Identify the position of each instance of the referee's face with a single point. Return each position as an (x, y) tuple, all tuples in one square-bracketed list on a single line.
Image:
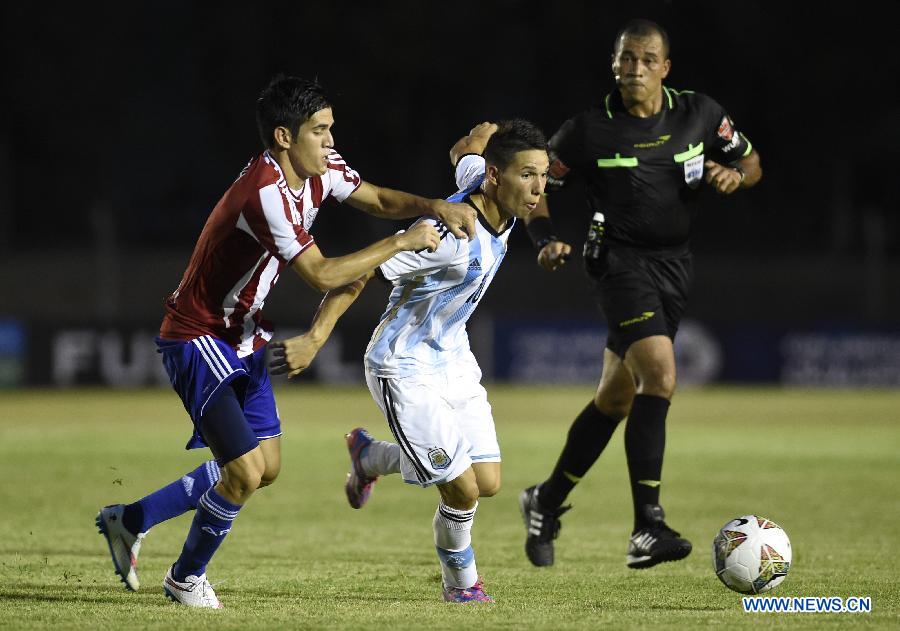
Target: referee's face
[(521, 184), (640, 65)]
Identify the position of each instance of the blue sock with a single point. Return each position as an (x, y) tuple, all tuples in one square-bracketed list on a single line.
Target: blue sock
[(171, 501), (212, 522)]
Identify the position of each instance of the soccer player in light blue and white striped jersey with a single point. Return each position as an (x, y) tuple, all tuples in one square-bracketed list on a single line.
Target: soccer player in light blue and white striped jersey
[(419, 367)]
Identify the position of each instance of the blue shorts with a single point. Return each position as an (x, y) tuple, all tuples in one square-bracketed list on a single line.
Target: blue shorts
[(202, 368)]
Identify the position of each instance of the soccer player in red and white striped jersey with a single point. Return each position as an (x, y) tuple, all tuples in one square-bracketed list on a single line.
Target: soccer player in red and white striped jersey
[(213, 335)]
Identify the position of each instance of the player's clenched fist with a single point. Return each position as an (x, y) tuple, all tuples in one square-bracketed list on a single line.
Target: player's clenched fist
[(293, 355), (422, 236), (553, 255)]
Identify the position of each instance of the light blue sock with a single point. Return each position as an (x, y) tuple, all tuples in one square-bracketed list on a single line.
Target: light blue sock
[(453, 540)]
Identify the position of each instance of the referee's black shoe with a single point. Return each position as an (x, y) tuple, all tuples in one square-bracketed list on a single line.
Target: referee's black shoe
[(542, 526), (655, 542)]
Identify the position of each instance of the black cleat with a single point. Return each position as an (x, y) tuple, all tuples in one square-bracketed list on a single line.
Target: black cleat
[(542, 526), (655, 543)]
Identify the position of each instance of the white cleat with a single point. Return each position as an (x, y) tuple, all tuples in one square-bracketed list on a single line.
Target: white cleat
[(124, 547), (195, 591)]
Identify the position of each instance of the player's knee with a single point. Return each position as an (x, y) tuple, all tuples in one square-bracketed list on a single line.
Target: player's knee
[(460, 494), (269, 475), (659, 382), (615, 407), (240, 482), (489, 488), (242, 488)]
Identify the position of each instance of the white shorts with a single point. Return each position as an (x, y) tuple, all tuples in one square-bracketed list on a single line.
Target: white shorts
[(442, 421)]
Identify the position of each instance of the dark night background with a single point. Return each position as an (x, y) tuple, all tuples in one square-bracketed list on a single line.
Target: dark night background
[(122, 124)]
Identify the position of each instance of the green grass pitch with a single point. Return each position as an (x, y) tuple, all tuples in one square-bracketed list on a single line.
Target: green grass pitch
[(825, 465)]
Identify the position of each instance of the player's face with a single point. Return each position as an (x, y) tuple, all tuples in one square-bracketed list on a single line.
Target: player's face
[(521, 184), (640, 65), (309, 149)]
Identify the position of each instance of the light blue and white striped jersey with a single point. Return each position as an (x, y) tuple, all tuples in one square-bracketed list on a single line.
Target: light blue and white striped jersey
[(424, 326)]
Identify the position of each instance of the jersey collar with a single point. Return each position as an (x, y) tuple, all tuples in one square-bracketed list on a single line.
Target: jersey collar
[(297, 195), (613, 102), (484, 223)]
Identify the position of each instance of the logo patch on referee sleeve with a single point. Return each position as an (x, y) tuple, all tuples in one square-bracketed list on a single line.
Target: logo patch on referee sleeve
[(558, 169), (439, 458), (725, 129)]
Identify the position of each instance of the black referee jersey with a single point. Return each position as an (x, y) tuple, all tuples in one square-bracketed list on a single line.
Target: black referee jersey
[(644, 174)]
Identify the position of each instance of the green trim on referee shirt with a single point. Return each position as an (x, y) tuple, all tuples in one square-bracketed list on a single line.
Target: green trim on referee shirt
[(692, 151), (606, 104), (749, 146), (618, 161)]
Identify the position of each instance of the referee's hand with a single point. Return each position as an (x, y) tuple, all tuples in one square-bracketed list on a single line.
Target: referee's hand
[(722, 178), (554, 255)]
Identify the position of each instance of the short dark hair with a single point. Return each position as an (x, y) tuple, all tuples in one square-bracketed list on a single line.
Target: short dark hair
[(511, 137), (640, 27), (288, 102)]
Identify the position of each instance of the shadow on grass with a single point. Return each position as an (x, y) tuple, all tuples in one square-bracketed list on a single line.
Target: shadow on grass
[(676, 607), (75, 594), (56, 553)]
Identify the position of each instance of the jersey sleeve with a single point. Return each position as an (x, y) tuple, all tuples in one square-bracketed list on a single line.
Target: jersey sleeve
[(341, 179), (268, 220), (565, 151), (726, 143), (469, 169), (408, 264)]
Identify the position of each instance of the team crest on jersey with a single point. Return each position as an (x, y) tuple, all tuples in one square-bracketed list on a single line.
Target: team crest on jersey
[(309, 216), (725, 131), (439, 458)]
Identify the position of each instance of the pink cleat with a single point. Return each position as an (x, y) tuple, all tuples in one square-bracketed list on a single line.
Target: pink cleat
[(359, 485), (474, 594)]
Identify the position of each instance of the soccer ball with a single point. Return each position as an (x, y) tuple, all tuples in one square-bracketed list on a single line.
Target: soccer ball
[(751, 554)]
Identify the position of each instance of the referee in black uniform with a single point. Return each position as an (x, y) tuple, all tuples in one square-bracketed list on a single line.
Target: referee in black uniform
[(644, 153)]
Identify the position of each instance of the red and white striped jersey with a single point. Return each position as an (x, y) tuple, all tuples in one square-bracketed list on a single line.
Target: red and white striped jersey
[(258, 227)]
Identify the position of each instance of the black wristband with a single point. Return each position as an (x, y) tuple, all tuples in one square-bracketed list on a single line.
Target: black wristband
[(540, 229)]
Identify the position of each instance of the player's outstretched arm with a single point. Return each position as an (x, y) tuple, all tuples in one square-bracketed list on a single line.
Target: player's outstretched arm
[(552, 253), (742, 173), (475, 142), (391, 204), (295, 354), (325, 274)]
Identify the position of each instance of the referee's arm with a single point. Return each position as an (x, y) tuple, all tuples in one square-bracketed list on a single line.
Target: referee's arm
[(552, 253), (742, 173)]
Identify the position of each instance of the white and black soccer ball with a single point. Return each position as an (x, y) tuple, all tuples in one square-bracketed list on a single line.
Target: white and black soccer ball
[(751, 554)]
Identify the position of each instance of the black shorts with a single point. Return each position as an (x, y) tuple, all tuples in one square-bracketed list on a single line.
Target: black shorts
[(641, 295)]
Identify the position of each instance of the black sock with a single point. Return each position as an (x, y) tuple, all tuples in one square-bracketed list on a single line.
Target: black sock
[(587, 438), (645, 443)]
